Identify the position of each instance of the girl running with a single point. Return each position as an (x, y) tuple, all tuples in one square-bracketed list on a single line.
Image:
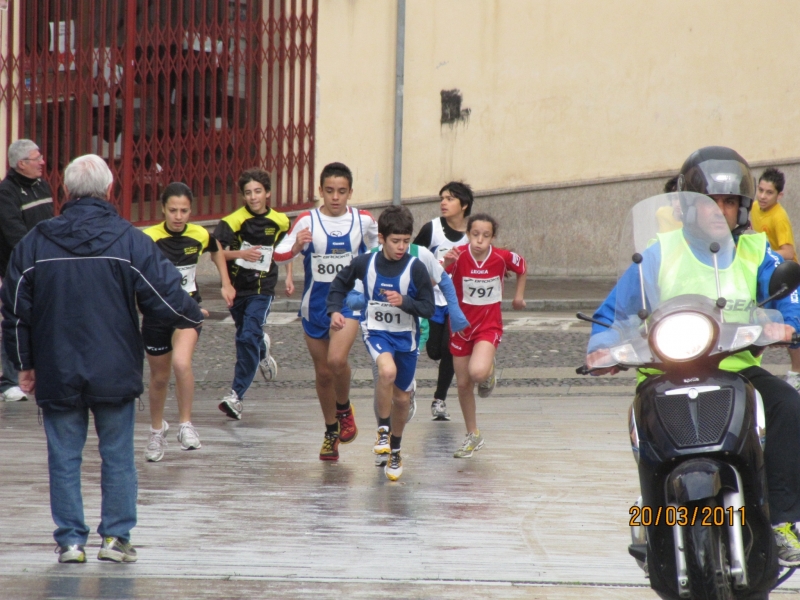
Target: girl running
[(168, 348), (478, 270)]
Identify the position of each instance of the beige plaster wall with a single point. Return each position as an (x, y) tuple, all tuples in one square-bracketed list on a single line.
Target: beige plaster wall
[(559, 90)]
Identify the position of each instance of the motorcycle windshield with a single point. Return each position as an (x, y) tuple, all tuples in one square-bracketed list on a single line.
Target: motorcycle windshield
[(667, 254)]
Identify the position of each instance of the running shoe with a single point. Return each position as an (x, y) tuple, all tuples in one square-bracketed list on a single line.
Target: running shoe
[(382, 441), (73, 553), (188, 437), (394, 468), (330, 447), (116, 550), (485, 388), (267, 365), (347, 424), (412, 409), (439, 410), (472, 443), (231, 405), (793, 379), (14, 394), (788, 545), (157, 443)]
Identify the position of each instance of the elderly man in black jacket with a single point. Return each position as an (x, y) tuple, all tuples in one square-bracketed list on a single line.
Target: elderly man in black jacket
[(25, 199), (71, 327)]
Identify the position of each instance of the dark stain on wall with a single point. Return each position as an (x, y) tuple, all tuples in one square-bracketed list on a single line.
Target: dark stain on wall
[(452, 112)]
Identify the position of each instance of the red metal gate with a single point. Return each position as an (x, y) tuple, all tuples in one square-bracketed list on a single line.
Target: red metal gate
[(215, 87)]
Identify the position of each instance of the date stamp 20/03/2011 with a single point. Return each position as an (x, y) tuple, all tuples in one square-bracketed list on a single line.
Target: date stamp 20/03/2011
[(706, 516)]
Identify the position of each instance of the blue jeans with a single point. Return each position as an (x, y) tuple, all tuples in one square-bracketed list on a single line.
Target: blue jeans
[(66, 432), (9, 377), (250, 315)]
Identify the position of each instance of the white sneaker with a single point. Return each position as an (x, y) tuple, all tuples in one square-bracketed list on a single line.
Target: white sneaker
[(793, 379), (382, 441), (14, 394), (157, 443), (268, 366), (439, 410), (188, 437), (394, 469), (232, 406), (412, 410)]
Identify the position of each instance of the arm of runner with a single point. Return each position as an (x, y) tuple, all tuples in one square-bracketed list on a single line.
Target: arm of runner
[(458, 321), (289, 279), (514, 262), (423, 305), (218, 258), (344, 282), (295, 241), (370, 228)]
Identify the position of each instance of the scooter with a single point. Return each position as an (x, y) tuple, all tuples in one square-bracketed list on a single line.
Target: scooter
[(701, 528)]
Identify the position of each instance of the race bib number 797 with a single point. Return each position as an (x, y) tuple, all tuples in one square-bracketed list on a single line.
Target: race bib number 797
[(482, 291)]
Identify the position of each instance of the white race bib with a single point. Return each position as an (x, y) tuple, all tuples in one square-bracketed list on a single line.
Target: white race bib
[(382, 316), (325, 267), (188, 277), (262, 264), (481, 291)]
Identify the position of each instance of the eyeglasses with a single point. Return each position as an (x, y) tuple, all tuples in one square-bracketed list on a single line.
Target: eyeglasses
[(36, 159)]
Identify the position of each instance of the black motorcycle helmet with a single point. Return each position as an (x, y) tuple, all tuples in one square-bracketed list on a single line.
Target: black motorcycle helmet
[(718, 170)]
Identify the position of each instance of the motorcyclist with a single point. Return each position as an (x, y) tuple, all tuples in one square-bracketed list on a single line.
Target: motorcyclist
[(724, 176)]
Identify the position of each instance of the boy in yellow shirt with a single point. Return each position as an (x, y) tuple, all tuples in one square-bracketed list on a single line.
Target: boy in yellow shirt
[(769, 217)]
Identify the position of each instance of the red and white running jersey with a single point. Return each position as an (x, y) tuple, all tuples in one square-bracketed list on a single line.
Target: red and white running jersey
[(479, 286)]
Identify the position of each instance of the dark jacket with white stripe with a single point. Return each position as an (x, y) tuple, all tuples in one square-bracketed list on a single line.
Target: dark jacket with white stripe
[(24, 202), (69, 303)]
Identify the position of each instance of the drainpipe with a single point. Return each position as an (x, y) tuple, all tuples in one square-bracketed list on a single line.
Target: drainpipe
[(398, 101)]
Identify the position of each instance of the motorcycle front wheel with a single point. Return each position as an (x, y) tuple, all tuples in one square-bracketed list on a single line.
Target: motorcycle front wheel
[(707, 562)]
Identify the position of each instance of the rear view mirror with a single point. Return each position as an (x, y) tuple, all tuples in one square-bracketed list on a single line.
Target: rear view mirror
[(785, 279)]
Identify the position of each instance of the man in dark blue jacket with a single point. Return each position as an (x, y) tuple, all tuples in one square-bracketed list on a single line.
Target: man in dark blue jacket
[(71, 328)]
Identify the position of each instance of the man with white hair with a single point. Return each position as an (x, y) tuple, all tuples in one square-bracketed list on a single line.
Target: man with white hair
[(71, 329), (25, 199)]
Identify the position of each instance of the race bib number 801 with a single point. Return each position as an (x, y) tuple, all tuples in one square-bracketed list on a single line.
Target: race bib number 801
[(382, 316), (482, 291)]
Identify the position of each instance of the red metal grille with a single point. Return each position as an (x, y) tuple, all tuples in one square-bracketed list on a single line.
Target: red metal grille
[(216, 86)]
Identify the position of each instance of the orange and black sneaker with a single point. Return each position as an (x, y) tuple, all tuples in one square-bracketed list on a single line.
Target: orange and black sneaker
[(347, 424), (330, 447)]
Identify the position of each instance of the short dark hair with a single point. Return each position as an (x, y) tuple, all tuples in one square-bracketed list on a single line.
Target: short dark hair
[(254, 174), (483, 217), (462, 191), (671, 185), (336, 169), (396, 220), (176, 188), (775, 177)]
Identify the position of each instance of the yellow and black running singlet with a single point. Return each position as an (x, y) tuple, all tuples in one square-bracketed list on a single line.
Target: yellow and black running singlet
[(242, 229), (183, 249)]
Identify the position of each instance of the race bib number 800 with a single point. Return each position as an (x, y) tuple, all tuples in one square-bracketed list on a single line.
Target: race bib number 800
[(482, 291), (325, 267)]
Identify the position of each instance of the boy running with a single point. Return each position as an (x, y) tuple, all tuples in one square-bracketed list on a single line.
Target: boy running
[(168, 348), (768, 216), (478, 270), (249, 236), (329, 238), (439, 236), (398, 291)]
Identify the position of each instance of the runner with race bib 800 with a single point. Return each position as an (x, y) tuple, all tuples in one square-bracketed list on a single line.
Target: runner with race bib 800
[(478, 270), (182, 243), (329, 238)]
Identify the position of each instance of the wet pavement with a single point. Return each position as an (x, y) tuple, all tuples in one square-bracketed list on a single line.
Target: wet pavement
[(540, 512)]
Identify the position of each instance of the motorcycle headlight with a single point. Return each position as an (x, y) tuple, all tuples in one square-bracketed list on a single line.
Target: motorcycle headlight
[(683, 336)]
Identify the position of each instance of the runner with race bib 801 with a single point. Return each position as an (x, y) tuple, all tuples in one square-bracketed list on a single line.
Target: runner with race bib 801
[(168, 348), (329, 237), (398, 292), (478, 270)]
